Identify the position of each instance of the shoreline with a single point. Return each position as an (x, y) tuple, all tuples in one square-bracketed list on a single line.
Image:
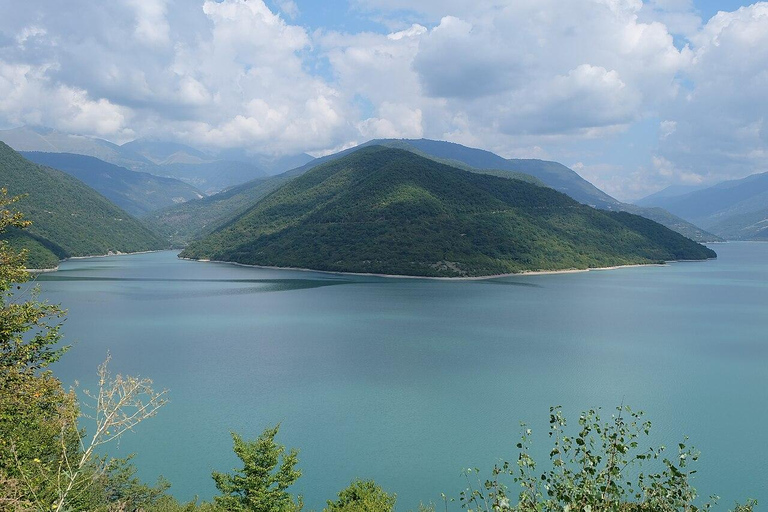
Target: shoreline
[(108, 255), (474, 278)]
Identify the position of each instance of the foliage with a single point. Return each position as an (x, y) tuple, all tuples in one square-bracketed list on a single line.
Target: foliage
[(262, 483), (382, 210), (362, 496), (68, 218), (44, 464), (599, 467)]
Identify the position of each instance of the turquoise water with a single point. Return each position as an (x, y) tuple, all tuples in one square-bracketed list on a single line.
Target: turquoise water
[(408, 381)]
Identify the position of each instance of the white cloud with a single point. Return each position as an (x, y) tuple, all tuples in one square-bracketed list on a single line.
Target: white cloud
[(540, 78), (289, 8)]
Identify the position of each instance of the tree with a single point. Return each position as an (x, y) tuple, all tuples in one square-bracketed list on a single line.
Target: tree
[(44, 462), (261, 485), (362, 496)]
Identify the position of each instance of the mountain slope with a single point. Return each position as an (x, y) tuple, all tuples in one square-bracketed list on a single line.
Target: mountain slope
[(69, 218), (135, 192), (384, 210), (731, 209), (557, 176), (184, 222), (552, 174)]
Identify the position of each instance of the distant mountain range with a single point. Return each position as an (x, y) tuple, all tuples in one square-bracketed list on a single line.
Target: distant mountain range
[(734, 210), (206, 172), (387, 210), (138, 193), (68, 217)]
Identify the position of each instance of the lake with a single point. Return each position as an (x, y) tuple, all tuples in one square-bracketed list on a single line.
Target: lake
[(407, 381)]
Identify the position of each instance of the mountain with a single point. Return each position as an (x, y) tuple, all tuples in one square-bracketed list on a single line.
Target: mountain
[(670, 191), (385, 210), (271, 164), (135, 192), (552, 174), (28, 138), (212, 177), (732, 209), (68, 218), (184, 222), (161, 152)]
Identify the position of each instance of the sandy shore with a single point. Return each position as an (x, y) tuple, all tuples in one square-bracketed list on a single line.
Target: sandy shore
[(477, 278)]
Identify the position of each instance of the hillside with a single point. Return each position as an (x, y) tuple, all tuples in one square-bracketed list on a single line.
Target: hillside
[(384, 210), (551, 174), (185, 222), (732, 209), (138, 193), (69, 218)]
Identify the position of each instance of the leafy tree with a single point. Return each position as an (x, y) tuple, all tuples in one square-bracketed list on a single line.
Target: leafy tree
[(362, 496), (261, 485)]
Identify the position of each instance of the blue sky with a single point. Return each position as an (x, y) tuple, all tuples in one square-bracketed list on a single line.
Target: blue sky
[(634, 95)]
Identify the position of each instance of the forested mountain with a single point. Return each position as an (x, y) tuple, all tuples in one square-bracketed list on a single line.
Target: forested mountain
[(736, 209), (138, 193), (553, 174), (385, 210), (185, 222), (69, 218)]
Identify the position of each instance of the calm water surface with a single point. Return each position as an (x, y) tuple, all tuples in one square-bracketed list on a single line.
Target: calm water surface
[(408, 381)]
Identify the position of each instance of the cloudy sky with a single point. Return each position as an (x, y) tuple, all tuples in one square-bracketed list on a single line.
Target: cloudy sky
[(633, 95)]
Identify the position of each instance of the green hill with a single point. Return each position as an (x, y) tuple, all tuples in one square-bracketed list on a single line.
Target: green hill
[(69, 218), (384, 210), (138, 193)]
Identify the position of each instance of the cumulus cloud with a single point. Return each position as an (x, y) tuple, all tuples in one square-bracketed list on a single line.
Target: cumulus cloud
[(720, 123), (526, 78)]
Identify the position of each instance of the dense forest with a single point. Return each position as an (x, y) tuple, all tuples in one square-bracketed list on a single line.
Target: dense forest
[(384, 210), (69, 218), (49, 460)]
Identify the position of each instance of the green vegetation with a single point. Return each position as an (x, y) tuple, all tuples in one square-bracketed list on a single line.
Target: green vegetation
[(382, 210), (194, 219), (135, 192), (68, 218)]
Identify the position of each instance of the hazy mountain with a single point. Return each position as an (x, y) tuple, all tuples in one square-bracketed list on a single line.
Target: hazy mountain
[(385, 210), (69, 218), (732, 209), (135, 192), (212, 177), (668, 192), (48, 140), (162, 152), (270, 164)]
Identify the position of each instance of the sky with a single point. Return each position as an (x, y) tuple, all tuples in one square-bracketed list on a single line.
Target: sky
[(634, 95)]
